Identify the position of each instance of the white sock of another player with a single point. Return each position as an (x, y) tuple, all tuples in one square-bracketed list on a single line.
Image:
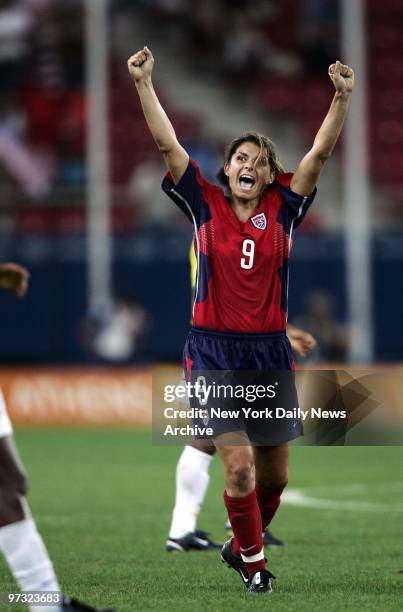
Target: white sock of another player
[(192, 480), (28, 559)]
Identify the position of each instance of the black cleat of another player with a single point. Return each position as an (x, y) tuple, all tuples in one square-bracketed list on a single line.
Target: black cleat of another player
[(198, 540), (270, 540), (72, 605), (235, 562), (261, 582), (203, 535)]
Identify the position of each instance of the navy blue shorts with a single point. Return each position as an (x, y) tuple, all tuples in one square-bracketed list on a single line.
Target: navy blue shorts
[(251, 383)]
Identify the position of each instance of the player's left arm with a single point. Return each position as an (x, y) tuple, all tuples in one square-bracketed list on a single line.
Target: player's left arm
[(307, 174), (14, 277)]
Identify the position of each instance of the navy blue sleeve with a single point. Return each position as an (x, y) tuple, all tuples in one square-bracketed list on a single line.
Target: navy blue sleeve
[(297, 205), (188, 194)]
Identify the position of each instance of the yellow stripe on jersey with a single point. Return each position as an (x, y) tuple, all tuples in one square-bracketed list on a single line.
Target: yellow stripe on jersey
[(193, 267)]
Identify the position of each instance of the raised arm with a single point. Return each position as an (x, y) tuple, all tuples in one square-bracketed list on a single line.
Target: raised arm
[(307, 174), (140, 67)]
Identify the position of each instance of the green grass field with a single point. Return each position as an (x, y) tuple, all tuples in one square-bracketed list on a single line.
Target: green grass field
[(103, 499)]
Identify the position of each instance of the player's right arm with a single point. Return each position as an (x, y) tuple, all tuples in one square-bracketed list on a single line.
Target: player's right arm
[(140, 67)]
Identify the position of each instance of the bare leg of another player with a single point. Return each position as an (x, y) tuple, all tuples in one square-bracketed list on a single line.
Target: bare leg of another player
[(20, 541)]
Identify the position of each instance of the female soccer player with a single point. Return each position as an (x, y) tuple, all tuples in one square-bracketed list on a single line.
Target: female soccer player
[(192, 470), (240, 310)]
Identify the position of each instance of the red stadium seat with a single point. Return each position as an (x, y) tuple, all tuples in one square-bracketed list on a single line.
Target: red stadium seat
[(388, 132), (391, 9), (387, 69), (383, 36), (387, 103), (388, 169), (316, 97), (280, 95)]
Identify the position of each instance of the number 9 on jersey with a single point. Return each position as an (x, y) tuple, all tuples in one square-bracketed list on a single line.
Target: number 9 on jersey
[(248, 249)]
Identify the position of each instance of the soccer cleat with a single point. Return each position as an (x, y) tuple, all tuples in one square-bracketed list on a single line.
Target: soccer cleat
[(72, 605), (198, 540), (235, 562), (261, 582), (204, 536), (270, 540)]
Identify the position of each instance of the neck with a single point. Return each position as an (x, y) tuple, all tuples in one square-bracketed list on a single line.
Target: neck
[(244, 208)]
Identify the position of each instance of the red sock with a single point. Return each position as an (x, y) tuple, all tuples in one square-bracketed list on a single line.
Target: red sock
[(268, 501), (246, 523)]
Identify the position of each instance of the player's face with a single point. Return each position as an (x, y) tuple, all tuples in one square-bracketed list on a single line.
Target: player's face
[(247, 179)]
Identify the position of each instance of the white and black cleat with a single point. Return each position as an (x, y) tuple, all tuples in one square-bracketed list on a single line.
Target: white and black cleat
[(234, 562), (198, 540), (261, 582), (72, 605)]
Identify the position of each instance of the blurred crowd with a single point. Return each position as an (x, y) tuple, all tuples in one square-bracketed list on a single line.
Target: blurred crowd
[(268, 47), (42, 110), (275, 48), (281, 50), (42, 87), (252, 39)]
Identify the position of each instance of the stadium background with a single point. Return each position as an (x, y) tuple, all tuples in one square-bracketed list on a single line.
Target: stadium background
[(109, 295)]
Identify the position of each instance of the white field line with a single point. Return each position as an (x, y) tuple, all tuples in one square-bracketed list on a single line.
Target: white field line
[(296, 497), (356, 488)]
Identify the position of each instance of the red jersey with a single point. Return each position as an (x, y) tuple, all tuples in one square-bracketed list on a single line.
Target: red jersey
[(242, 268)]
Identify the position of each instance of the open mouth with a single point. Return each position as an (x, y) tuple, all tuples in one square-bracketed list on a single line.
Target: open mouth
[(246, 181)]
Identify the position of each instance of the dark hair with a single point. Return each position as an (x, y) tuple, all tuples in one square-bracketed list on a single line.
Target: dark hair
[(266, 146)]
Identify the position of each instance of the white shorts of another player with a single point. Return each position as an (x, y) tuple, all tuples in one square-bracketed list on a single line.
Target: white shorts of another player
[(6, 428)]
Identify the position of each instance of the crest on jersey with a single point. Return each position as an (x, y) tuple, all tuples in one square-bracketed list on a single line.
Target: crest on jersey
[(259, 221)]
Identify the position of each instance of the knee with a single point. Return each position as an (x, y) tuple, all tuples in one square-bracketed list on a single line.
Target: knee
[(239, 471), (274, 485), (279, 479), (278, 486)]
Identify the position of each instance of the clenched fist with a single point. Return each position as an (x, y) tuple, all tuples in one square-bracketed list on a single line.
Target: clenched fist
[(342, 77), (14, 278), (141, 64)]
